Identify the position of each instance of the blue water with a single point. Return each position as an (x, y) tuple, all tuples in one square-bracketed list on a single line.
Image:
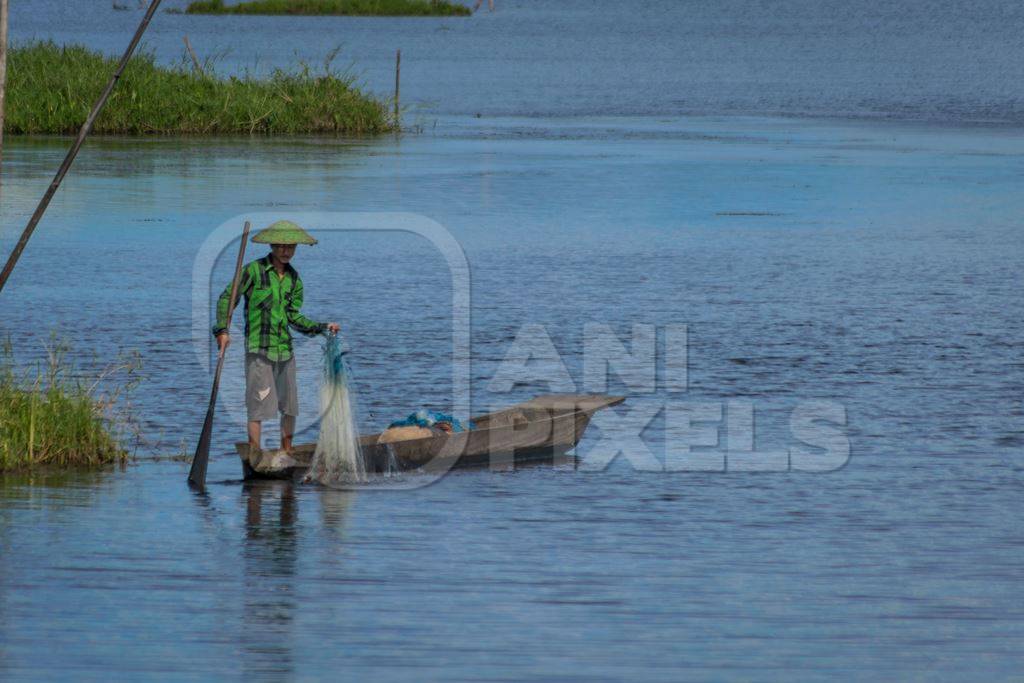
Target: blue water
[(939, 60), (815, 256)]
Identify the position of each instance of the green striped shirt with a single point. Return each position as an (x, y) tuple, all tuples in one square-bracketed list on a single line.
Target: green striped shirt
[(272, 304)]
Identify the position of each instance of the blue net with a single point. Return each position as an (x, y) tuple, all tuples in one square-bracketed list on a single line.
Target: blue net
[(336, 370), (431, 418)]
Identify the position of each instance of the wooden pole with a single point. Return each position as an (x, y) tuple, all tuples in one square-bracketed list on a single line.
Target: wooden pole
[(398, 74), (3, 70), (195, 60), (197, 473), (73, 152)]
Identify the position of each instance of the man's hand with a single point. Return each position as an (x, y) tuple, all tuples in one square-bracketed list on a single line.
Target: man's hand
[(333, 328), (223, 339)]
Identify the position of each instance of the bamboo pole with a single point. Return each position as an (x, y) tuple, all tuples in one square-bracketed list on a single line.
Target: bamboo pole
[(73, 152), (398, 73), (195, 60), (3, 71)]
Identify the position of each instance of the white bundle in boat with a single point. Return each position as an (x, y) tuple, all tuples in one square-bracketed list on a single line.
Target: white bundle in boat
[(338, 458)]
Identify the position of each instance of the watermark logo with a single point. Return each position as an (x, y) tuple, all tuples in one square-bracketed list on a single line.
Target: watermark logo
[(650, 368)]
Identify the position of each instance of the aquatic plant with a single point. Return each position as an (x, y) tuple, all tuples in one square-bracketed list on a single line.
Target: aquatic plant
[(419, 8), (51, 88), (56, 418)]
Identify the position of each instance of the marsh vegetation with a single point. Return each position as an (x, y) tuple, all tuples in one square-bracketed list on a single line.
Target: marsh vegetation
[(53, 416), (51, 89)]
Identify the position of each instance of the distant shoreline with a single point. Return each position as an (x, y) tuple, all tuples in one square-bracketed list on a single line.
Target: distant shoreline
[(409, 8)]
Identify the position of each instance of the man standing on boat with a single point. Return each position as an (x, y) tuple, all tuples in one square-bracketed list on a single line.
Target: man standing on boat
[(273, 299)]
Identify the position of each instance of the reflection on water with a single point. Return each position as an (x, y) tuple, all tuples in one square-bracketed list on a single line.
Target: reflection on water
[(28, 484), (269, 560), (334, 510)]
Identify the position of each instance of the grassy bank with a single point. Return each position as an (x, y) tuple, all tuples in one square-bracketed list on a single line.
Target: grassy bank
[(49, 419), (50, 90), (414, 8)]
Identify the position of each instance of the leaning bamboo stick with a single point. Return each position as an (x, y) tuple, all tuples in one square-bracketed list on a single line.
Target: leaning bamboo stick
[(73, 152)]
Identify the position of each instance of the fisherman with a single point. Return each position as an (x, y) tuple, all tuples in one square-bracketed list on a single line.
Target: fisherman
[(273, 298)]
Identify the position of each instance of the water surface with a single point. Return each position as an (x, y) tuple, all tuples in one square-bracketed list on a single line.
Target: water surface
[(874, 264)]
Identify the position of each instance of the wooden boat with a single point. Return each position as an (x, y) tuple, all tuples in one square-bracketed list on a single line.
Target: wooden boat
[(542, 429)]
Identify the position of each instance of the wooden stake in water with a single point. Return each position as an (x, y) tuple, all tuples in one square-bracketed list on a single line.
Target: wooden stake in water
[(197, 473), (73, 152), (195, 60), (398, 73)]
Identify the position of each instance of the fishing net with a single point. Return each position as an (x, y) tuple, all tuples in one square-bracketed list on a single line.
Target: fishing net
[(338, 458)]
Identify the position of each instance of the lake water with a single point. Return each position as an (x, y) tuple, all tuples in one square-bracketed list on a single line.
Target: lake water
[(629, 167)]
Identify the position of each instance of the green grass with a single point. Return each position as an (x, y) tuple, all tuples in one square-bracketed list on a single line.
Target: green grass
[(53, 420), (415, 8), (50, 90)]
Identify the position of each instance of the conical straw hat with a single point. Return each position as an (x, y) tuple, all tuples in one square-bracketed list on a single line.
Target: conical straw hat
[(283, 232)]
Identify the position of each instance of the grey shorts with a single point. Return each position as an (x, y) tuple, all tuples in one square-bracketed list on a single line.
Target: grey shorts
[(270, 388)]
